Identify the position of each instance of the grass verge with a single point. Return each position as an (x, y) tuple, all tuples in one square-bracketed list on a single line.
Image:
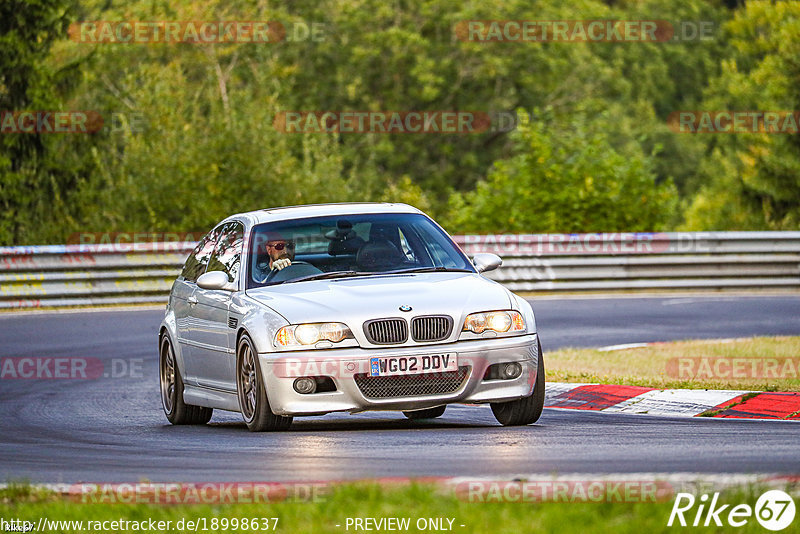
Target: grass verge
[(757, 364), (361, 500)]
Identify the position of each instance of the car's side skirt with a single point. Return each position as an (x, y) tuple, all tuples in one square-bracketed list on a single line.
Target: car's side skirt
[(210, 398)]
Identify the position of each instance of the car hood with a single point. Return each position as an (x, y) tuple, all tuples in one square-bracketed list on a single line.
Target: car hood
[(354, 300)]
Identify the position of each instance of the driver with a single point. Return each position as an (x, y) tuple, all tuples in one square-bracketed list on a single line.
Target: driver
[(281, 253), (274, 255)]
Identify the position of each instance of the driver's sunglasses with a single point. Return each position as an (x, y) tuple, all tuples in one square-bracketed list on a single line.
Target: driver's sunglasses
[(281, 246)]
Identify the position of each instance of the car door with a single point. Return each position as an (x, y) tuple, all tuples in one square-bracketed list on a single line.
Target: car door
[(183, 300), (212, 350)]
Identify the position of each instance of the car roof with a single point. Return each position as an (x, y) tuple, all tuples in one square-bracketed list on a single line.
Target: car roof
[(322, 210)]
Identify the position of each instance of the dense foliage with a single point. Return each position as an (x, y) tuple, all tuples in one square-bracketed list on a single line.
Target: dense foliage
[(189, 135)]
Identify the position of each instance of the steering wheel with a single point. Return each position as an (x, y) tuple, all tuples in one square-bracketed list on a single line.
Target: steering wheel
[(274, 272)]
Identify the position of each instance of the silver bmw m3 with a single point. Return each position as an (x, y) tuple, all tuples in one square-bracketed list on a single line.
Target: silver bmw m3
[(308, 310)]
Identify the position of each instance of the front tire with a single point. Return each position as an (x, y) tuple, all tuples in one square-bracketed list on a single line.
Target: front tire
[(253, 402), (526, 410), (177, 411), (430, 413)]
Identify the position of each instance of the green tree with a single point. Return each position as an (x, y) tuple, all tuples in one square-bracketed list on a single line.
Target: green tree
[(565, 178), (752, 180), (405, 55), (35, 180), (208, 146)]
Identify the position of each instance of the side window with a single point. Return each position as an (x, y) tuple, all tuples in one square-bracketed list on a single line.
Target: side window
[(196, 262), (228, 252)]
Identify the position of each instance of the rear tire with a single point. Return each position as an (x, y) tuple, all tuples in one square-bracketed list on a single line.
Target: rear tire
[(430, 413), (253, 402), (526, 410), (177, 411)]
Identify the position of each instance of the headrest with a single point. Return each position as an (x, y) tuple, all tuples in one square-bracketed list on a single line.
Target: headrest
[(379, 255)]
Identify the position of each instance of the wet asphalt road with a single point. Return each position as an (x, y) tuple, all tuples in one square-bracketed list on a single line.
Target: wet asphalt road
[(112, 429)]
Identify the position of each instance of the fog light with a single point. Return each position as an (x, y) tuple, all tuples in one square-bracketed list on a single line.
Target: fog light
[(512, 370), (305, 385)]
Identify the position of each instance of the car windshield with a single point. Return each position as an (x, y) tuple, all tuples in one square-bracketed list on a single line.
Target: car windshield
[(353, 245)]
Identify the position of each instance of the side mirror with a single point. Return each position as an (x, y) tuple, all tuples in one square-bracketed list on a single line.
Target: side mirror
[(486, 262), (214, 280)]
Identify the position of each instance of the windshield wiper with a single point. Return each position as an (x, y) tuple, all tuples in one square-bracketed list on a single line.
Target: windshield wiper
[(430, 270), (322, 276), (347, 274)]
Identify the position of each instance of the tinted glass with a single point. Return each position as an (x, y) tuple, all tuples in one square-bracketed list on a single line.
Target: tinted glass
[(363, 244), (228, 252), (198, 260)]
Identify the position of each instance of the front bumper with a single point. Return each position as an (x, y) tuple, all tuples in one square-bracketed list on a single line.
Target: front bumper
[(281, 369)]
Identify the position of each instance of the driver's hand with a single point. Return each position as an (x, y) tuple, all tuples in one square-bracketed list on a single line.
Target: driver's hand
[(281, 263)]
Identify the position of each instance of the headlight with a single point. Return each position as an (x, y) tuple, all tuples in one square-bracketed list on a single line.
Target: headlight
[(296, 335), (498, 321)]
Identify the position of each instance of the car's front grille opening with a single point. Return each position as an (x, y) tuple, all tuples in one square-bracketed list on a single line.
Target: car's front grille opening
[(384, 387), (386, 331), (325, 384), (431, 328)]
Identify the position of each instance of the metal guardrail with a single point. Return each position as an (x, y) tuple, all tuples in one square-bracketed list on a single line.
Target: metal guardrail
[(128, 273), (88, 275), (654, 261)]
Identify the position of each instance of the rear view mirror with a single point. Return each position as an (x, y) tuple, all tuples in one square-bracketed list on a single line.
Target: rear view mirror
[(486, 262)]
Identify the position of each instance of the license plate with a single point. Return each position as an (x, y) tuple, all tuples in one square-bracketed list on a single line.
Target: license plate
[(410, 365)]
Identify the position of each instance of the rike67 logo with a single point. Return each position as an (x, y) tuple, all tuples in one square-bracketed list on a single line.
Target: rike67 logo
[(774, 510)]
